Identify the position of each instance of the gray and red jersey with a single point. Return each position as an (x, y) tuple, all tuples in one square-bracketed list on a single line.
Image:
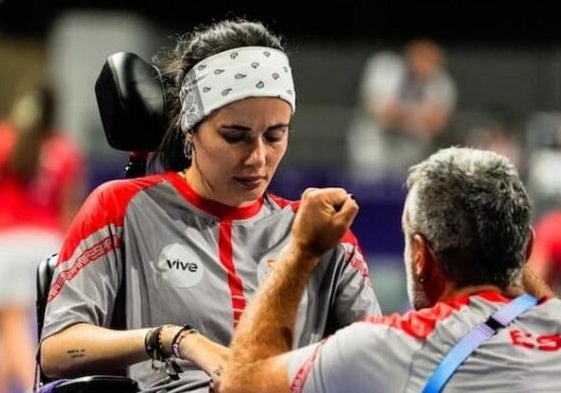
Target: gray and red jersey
[(186, 259), (398, 353)]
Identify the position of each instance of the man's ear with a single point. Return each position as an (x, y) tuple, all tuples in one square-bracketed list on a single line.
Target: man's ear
[(427, 268), (422, 257), (530, 245)]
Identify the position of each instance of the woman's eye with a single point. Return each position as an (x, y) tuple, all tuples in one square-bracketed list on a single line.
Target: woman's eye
[(275, 135), (273, 138), (233, 138)]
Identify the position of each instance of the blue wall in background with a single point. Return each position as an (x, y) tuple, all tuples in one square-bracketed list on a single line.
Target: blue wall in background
[(378, 224)]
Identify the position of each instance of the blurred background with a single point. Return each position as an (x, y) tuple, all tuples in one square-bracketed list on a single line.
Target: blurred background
[(504, 64)]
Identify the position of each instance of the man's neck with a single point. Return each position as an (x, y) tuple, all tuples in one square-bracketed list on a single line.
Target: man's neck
[(450, 291)]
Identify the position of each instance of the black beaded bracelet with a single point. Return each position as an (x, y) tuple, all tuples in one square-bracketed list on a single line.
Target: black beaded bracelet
[(176, 341), (148, 346), (162, 353), (153, 343)]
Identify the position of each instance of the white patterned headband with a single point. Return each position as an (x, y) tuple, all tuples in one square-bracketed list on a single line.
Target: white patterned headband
[(232, 75)]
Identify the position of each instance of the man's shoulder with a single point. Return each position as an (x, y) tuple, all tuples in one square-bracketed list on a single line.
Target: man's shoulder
[(419, 323)]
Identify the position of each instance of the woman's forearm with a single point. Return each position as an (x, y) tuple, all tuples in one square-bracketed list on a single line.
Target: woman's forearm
[(84, 349)]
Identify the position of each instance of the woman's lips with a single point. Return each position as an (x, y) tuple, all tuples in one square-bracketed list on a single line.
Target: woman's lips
[(250, 182)]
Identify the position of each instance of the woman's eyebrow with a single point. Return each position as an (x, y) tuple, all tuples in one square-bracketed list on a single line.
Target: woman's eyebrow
[(245, 128), (236, 127)]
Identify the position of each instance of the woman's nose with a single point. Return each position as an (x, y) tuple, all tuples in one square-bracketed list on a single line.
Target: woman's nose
[(257, 153)]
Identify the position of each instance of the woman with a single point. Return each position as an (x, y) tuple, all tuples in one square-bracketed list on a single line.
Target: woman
[(191, 245), (41, 187)]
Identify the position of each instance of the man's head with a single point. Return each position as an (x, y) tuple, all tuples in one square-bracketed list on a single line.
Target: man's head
[(424, 57), (468, 211)]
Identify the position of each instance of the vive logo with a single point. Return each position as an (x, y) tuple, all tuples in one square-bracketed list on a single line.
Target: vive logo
[(179, 265)]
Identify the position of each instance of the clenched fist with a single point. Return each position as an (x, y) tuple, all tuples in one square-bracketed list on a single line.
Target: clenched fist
[(324, 215)]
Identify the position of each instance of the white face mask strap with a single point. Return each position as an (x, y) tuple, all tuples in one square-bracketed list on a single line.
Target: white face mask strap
[(233, 75)]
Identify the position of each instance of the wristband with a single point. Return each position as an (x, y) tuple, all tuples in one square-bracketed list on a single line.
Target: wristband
[(176, 341), (153, 343)]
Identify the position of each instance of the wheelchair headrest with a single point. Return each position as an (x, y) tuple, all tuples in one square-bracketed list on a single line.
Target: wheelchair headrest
[(130, 99)]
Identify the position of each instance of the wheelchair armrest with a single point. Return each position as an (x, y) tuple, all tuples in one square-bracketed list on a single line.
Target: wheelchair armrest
[(92, 384), (44, 275)]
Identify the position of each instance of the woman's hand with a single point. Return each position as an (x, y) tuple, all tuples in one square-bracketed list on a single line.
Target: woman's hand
[(205, 353)]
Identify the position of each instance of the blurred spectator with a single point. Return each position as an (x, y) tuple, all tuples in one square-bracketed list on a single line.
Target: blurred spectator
[(41, 178), (545, 259), (544, 166), (406, 101), (499, 135), (543, 156)]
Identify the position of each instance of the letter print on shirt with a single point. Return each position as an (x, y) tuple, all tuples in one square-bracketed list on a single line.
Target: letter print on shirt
[(180, 266)]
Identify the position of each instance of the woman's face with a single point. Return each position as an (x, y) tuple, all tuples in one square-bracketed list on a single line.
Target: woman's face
[(237, 150)]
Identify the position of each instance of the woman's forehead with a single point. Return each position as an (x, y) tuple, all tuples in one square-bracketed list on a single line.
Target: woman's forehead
[(253, 111), (253, 103)]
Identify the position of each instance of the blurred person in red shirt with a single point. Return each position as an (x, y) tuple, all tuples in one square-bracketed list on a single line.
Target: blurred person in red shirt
[(41, 186), (546, 255)]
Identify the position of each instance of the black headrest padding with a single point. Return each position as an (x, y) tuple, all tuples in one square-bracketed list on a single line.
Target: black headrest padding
[(131, 103)]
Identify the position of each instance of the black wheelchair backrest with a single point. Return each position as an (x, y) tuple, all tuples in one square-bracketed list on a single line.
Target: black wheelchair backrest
[(131, 103)]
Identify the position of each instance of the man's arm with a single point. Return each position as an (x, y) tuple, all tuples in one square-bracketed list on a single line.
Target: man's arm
[(266, 328)]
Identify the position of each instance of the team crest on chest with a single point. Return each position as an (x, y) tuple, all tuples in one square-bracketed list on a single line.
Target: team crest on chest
[(180, 266), (265, 267)]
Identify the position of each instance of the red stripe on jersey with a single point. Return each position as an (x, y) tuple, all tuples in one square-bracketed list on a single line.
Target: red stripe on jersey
[(302, 375), (421, 323), (349, 237), (89, 255), (234, 281), (217, 209), (284, 202), (106, 205), (354, 255)]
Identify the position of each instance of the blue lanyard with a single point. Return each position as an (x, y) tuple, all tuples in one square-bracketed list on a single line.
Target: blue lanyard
[(469, 343)]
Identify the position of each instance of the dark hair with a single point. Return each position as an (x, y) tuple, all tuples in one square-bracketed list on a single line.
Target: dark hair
[(190, 49), (32, 115), (473, 209), (40, 120)]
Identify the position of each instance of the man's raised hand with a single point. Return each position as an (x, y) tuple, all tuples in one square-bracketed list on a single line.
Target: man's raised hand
[(324, 215)]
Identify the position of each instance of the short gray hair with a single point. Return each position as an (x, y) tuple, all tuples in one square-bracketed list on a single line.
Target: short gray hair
[(473, 209)]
